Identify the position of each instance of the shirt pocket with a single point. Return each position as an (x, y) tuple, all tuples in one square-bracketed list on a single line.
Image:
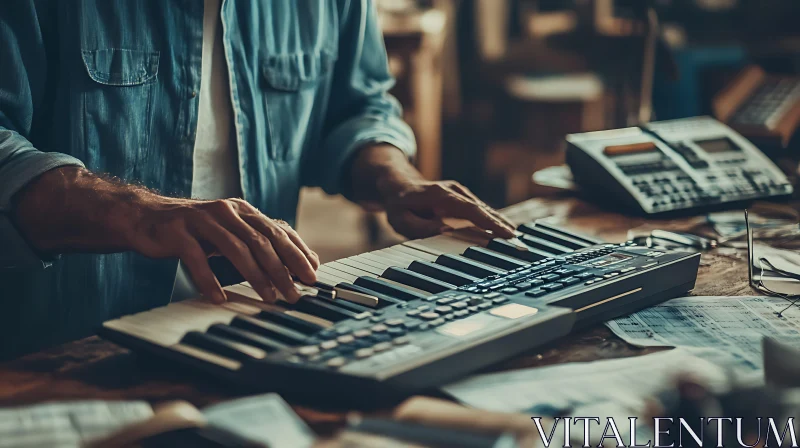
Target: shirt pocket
[(118, 108), (296, 94)]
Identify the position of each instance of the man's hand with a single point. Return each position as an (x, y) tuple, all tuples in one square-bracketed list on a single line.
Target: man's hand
[(416, 208), (70, 209)]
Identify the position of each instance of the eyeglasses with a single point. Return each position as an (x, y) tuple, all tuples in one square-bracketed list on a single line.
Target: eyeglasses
[(759, 284)]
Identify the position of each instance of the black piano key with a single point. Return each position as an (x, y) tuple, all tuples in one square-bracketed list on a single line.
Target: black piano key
[(246, 337), (577, 236), (493, 258), (322, 309), (544, 245), (350, 306), (467, 266), (442, 273), (417, 280), (269, 329), (512, 250), (383, 299), (221, 346), (291, 322), (541, 232), (389, 289)]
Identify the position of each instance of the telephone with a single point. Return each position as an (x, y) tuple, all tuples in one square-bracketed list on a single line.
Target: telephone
[(676, 165)]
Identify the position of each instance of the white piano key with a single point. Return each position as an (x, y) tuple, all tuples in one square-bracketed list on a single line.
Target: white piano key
[(348, 269), (414, 253), (440, 244)]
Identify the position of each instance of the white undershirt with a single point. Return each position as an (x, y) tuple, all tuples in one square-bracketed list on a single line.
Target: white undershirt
[(216, 172)]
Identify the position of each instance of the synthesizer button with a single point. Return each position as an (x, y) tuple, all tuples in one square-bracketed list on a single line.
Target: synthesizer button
[(411, 325), (485, 306), (549, 277), (459, 305), (382, 347), (570, 280), (363, 353), (429, 315), (450, 316), (472, 309), (553, 286), (475, 300), (413, 313), (492, 295), (423, 327), (380, 328), (346, 339), (583, 275), (437, 322), (443, 309), (327, 345), (401, 340), (509, 290), (394, 322), (361, 333), (337, 362), (308, 350), (538, 292), (524, 286), (376, 319), (461, 313), (500, 300), (445, 300), (394, 332)]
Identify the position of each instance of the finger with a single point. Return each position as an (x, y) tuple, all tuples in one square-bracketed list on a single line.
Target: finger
[(469, 194), (499, 216), (291, 255), (261, 244), (457, 207), (298, 241), (412, 226), (272, 263), (196, 262), (238, 252)]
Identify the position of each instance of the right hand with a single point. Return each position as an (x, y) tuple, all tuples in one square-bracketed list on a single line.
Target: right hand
[(70, 209), (265, 251)]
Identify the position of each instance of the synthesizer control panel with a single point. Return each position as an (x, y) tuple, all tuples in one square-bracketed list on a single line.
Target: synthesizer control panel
[(413, 316)]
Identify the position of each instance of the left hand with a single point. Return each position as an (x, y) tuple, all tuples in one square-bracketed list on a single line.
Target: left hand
[(416, 209)]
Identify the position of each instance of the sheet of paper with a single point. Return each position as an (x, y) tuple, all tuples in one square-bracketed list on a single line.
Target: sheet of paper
[(67, 424), (734, 325), (262, 418), (618, 388), (549, 391)]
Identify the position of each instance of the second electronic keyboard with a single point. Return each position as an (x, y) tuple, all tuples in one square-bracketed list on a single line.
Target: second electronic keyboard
[(385, 324)]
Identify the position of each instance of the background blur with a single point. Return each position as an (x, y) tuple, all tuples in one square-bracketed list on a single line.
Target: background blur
[(491, 87)]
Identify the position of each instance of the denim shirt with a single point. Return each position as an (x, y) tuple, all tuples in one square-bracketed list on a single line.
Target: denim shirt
[(112, 85)]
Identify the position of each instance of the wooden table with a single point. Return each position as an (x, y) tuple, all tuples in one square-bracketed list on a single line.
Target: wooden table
[(93, 368)]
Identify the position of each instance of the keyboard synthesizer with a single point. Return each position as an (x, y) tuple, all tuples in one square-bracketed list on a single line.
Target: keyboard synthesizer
[(382, 325)]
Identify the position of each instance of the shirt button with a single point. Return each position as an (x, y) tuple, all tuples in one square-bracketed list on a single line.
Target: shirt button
[(194, 93)]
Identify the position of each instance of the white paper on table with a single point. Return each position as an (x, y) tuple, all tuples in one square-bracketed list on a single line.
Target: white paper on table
[(67, 424), (734, 325), (262, 418), (551, 390), (618, 388)]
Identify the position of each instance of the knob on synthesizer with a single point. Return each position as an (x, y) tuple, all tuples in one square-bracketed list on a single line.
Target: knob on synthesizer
[(382, 325)]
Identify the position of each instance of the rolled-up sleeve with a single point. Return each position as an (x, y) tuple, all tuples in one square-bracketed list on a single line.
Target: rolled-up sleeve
[(21, 87), (361, 111)]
